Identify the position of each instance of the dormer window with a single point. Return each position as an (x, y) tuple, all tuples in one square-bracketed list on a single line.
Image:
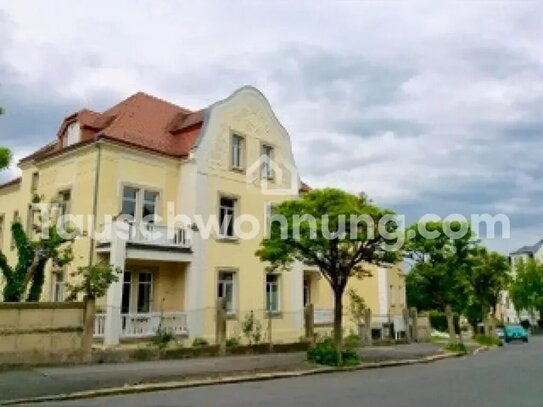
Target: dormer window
[(71, 134)]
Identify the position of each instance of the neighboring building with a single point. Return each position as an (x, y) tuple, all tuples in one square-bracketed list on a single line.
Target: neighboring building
[(506, 309), (153, 160)]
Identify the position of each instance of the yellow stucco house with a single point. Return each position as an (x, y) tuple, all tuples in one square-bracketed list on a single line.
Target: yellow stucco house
[(152, 160)]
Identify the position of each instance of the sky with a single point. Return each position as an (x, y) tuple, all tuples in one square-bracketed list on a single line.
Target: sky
[(428, 107)]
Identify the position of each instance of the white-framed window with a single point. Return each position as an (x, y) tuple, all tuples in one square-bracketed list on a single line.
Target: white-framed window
[(58, 286), (130, 201), (269, 211), (65, 202), (139, 203), (272, 292), (71, 135), (238, 151), (137, 292), (227, 211), (35, 182), (145, 292), (150, 200), (225, 289), (127, 292), (267, 157)]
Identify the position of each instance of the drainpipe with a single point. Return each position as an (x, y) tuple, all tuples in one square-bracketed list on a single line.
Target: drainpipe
[(95, 202)]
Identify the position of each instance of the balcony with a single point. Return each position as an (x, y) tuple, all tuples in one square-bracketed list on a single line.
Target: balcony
[(151, 241), (145, 325), (158, 235)]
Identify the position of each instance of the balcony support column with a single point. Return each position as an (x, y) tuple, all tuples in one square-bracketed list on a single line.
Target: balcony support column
[(112, 327)]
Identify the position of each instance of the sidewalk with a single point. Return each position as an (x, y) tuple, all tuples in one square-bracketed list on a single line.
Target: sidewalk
[(44, 381)]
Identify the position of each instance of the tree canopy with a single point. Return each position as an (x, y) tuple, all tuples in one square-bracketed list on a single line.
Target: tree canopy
[(28, 273), (335, 231), (440, 252), (527, 288), (487, 278), (5, 153)]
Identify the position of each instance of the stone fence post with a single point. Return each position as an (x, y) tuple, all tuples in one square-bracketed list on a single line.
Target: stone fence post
[(309, 322), (407, 323), (414, 324), (220, 325), (367, 327)]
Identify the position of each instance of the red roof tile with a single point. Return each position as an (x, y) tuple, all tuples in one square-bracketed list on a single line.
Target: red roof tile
[(142, 121)]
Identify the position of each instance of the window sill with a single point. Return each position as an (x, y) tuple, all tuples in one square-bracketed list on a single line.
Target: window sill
[(227, 239), (239, 170), (274, 314)]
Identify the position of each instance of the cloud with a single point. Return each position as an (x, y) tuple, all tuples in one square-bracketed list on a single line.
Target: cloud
[(426, 107)]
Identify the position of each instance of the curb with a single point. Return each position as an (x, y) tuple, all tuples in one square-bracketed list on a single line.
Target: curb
[(244, 378)]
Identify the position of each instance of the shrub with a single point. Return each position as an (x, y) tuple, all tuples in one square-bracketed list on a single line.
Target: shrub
[(197, 342), (487, 340), (324, 353), (162, 338), (252, 329), (351, 341), (232, 342), (456, 347)]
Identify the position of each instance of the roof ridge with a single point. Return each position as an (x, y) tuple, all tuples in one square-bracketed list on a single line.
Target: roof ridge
[(140, 93)]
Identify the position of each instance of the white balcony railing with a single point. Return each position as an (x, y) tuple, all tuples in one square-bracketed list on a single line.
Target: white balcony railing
[(144, 325), (158, 234), (323, 316)]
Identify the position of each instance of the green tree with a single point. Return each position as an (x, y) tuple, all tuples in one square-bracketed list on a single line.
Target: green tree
[(441, 255), (487, 278), (313, 230), (527, 287), (92, 282), (32, 259), (5, 153), (5, 158)]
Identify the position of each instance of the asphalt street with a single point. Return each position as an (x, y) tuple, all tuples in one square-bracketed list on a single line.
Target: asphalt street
[(506, 377)]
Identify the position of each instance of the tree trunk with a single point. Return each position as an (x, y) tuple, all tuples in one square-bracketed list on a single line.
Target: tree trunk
[(338, 318), (31, 271), (486, 323), (450, 323), (493, 321), (88, 331)]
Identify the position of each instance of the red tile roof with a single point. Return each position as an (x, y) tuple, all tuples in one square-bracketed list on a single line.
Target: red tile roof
[(141, 121), (304, 187)]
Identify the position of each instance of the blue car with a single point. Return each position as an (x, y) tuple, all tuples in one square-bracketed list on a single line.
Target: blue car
[(515, 333)]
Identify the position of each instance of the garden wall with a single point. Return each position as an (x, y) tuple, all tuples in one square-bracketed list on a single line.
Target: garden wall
[(41, 333)]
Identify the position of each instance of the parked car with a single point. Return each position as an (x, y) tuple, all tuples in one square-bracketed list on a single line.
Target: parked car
[(515, 333), (500, 333)]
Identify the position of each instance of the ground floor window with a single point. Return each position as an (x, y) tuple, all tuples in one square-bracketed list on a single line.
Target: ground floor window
[(137, 293), (225, 289), (58, 286), (145, 286), (272, 292)]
